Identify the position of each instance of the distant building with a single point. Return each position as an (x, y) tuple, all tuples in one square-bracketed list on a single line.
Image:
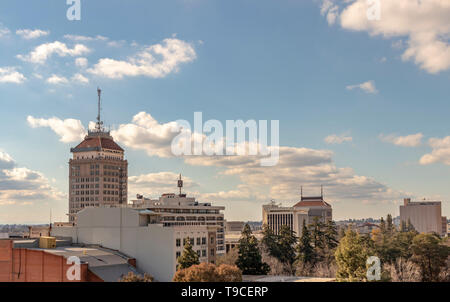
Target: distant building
[(232, 239), (425, 216), (141, 234), (234, 226), (180, 210), (307, 209), (366, 228), (97, 171)]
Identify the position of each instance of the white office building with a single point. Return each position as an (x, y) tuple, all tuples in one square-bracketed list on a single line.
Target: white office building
[(180, 210), (140, 234)]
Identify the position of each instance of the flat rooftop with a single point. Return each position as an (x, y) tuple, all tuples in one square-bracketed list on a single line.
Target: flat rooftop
[(109, 265)]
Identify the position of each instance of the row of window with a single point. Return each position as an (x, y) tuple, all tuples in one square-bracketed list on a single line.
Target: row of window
[(97, 192), (78, 199), (85, 186), (188, 211), (199, 241)]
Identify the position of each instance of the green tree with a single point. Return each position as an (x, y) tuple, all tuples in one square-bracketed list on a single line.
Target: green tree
[(382, 225), (189, 256), (430, 255), (317, 234), (331, 235), (389, 224), (286, 245), (269, 241), (403, 226), (249, 257), (132, 277), (351, 256), (305, 251), (409, 226)]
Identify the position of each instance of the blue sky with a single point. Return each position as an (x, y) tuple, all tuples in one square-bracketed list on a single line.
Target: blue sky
[(292, 61)]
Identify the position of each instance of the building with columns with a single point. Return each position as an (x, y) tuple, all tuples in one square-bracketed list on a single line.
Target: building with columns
[(307, 209)]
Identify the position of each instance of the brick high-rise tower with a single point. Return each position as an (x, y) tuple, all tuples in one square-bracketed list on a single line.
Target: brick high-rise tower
[(98, 172)]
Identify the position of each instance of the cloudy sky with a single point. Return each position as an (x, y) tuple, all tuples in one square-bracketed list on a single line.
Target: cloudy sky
[(363, 105)]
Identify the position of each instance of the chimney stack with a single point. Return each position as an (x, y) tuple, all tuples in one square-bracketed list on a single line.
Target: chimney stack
[(406, 201)]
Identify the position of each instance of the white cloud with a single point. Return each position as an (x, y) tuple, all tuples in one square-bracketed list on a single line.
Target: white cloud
[(146, 133), (4, 31), (10, 75), (19, 184), (44, 51), (79, 78), (424, 24), (155, 61), (337, 139), (296, 166), (155, 184), (440, 151), (368, 87), (57, 80), (81, 62), (330, 10), (80, 38), (413, 140), (6, 161), (69, 130), (29, 34)]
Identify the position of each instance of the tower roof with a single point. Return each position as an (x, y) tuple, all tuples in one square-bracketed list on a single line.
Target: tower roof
[(97, 139), (96, 143), (314, 201)]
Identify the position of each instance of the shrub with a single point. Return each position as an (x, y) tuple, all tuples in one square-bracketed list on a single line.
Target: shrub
[(206, 272)]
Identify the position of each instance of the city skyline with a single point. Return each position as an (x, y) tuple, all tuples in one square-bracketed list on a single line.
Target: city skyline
[(362, 106)]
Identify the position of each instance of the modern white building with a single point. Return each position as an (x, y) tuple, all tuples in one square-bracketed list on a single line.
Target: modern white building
[(425, 216), (180, 210), (307, 209), (140, 234)]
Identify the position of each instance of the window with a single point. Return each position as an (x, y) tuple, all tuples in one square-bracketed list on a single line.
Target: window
[(177, 254), (204, 240), (212, 252), (198, 240), (198, 253), (212, 240), (203, 253), (178, 242)]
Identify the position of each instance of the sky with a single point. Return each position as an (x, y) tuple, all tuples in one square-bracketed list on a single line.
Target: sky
[(362, 103)]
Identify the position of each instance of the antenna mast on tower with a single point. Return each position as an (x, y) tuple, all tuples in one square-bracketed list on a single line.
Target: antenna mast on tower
[(180, 184), (99, 126)]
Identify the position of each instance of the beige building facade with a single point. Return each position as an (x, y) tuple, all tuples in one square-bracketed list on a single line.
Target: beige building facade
[(425, 216)]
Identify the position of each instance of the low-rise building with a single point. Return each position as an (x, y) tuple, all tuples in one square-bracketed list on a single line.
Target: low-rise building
[(24, 261), (232, 239), (141, 234)]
